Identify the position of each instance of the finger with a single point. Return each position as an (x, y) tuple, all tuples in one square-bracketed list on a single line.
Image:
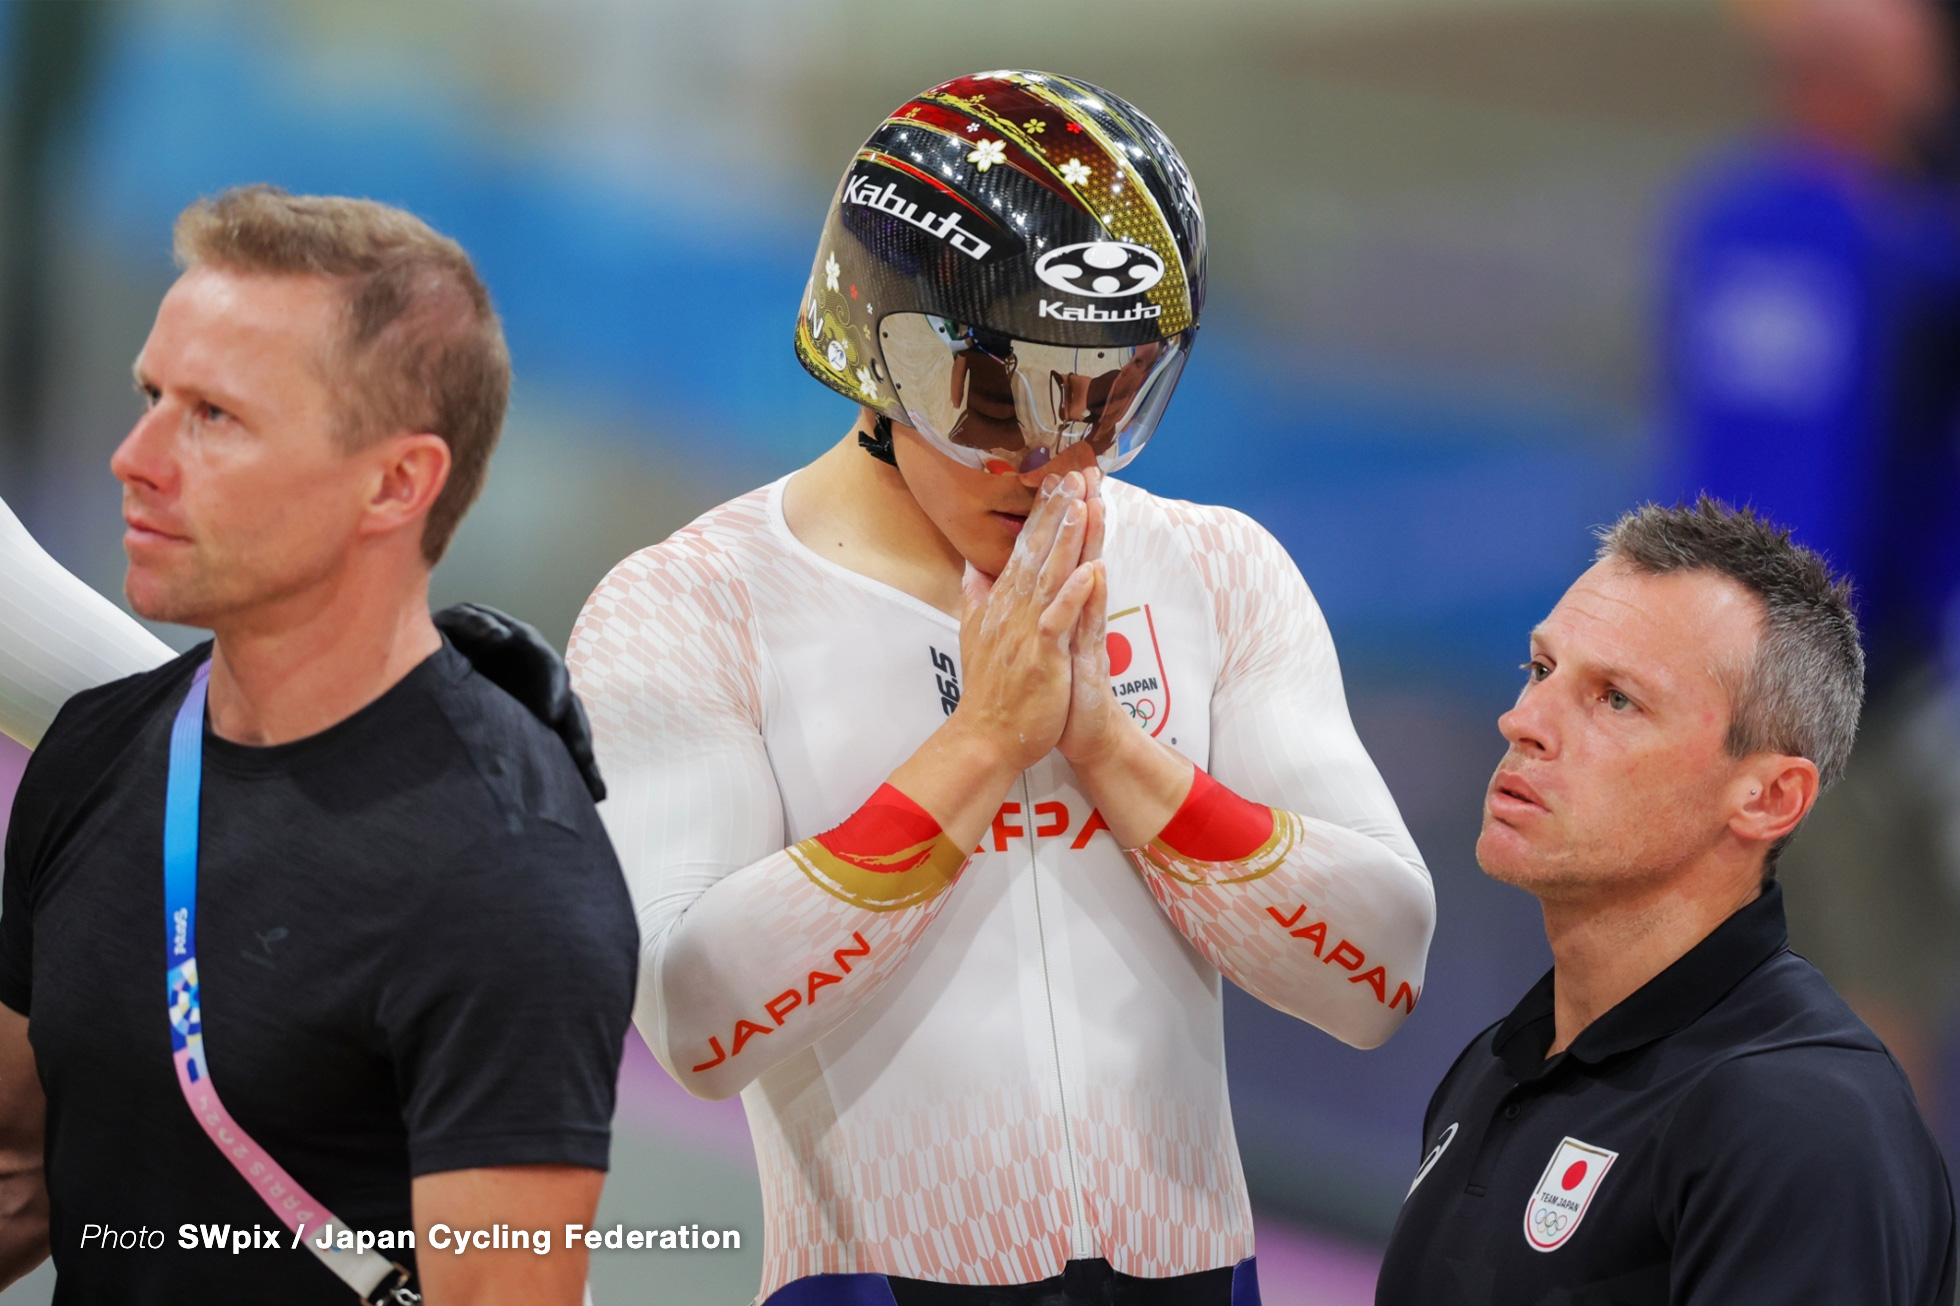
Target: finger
[(1037, 535), (1065, 609), (1066, 552), (1044, 503), (1038, 539), (1089, 667), (1092, 538), (1091, 629), (1073, 489)]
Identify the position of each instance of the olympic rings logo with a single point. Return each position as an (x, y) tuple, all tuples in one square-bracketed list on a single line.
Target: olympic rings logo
[(1142, 710), (1549, 1223)]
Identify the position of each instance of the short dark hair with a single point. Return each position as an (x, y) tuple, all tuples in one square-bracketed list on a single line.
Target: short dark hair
[(423, 350), (1804, 688)]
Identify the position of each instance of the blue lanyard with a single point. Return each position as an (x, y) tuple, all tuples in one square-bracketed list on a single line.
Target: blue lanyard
[(180, 820), (365, 1270)]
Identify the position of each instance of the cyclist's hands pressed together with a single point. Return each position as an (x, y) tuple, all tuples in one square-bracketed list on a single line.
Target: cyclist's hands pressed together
[(1017, 661), (1134, 781)]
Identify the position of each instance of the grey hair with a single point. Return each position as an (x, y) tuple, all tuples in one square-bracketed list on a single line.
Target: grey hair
[(1802, 691)]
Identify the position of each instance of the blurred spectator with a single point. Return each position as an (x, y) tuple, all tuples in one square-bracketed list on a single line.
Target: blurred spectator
[(1812, 357)]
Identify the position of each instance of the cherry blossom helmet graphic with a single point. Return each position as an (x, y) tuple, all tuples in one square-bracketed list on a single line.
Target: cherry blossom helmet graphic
[(1014, 263)]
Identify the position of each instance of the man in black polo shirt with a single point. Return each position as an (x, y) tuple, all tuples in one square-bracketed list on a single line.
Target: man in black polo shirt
[(1681, 1112)]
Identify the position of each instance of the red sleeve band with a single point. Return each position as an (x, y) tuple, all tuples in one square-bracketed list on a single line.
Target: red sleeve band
[(888, 823), (1213, 824), (887, 855)]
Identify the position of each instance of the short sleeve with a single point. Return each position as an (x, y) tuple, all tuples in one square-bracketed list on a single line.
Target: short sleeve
[(22, 856), (1806, 1176), (16, 926), (507, 1004)]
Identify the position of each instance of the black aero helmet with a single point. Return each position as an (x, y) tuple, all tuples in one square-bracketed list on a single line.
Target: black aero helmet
[(1013, 264)]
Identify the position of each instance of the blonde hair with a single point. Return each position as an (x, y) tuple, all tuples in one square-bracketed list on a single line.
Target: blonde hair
[(422, 350)]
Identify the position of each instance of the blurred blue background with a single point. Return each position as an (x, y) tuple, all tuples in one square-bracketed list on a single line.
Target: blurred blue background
[(1424, 364)]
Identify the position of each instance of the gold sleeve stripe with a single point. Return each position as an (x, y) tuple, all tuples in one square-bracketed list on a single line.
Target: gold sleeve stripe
[(886, 882), (1263, 860), (887, 855)]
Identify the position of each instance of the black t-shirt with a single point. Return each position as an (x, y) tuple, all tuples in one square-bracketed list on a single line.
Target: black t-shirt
[(1729, 1133), (415, 949)]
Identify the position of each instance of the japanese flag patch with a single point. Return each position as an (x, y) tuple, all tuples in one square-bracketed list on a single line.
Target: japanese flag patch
[(1564, 1192), (1136, 668)]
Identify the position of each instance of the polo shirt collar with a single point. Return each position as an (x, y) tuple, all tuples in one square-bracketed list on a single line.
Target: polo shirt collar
[(1671, 1001)]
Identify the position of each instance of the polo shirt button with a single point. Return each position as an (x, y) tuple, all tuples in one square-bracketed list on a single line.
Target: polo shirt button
[(1511, 1111)]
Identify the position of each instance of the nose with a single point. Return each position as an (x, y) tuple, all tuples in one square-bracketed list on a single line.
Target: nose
[(1528, 727), (142, 459)]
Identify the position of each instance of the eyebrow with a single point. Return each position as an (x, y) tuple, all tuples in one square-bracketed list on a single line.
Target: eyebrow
[(221, 398), (1642, 687)]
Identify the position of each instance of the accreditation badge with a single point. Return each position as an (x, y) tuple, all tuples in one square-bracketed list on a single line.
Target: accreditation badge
[(1564, 1192)]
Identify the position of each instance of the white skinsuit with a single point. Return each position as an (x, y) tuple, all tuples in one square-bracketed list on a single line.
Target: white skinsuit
[(57, 636), (1029, 1066)]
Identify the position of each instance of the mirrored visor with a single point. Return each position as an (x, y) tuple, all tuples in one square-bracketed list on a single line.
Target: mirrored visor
[(1011, 405)]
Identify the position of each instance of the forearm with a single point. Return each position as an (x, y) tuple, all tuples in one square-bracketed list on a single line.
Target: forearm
[(752, 950), (779, 953), (458, 1266), (23, 1183), (959, 775), (23, 1213), (761, 961), (1136, 782), (1311, 917)]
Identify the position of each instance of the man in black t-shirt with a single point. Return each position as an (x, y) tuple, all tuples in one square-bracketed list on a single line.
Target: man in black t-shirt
[(414, 952)]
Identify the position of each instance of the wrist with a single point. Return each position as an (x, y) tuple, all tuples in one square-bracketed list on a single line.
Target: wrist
[(979, 749), (1136, 782), (1111, 754), (984, 747), (959, 776)]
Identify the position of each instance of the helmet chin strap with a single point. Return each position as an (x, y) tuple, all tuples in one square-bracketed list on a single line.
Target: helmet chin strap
[(878, 441)]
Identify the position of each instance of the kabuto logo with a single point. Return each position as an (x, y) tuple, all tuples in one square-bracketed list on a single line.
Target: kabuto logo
[(1074, 313), (887, 199), (1101, 269)]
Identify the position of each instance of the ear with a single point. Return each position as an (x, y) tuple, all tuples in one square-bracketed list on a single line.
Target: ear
[(408, 472), (1771, 793)]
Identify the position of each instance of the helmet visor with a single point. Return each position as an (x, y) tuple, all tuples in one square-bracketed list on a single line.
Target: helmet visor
[(1010, 405)]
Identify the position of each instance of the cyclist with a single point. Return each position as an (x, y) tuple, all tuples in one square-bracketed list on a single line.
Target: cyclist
[(950, 777)]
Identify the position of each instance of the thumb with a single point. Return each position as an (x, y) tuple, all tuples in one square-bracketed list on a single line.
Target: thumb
[(1091, 627)]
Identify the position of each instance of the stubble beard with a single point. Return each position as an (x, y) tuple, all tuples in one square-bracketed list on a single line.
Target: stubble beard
[(200, 595), (1574, 873), (184, 603)]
